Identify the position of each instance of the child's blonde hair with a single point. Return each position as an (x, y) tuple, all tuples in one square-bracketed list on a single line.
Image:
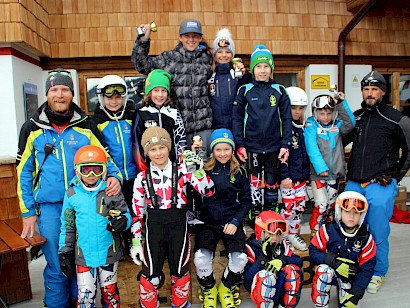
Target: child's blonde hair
[(233, 166)]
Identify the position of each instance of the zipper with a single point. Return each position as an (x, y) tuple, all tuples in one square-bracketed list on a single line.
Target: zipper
[(364, 146), (123, 148)]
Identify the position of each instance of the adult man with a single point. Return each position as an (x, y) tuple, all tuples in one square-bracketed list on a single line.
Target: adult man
[(45, 166), (376, 163)]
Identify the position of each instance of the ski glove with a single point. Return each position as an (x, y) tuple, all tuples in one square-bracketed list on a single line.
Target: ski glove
[(136, 251), (345, 268), (274, 266), (192, 158), (67, 264), (349, 301), (117, 224)]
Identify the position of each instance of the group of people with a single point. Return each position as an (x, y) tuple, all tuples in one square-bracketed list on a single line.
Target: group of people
[(127, 178)]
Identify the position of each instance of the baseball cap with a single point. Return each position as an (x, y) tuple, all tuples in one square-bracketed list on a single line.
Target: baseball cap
[(190, 26)]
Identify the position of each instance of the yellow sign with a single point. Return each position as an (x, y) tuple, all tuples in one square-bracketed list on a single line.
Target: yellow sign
[(320, 82)]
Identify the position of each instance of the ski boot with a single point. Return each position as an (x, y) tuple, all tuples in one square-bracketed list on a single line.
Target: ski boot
[(209, 297), (229, 297)]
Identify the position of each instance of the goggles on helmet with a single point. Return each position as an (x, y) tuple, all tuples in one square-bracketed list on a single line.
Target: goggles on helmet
[(111, 89), (348, 204), (86, 169), (274, 227), (59, 71), (371, 81), (323, 101)]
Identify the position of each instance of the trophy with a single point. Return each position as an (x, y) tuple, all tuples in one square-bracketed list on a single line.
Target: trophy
[(333, 89), (238, 72), (141, 31)]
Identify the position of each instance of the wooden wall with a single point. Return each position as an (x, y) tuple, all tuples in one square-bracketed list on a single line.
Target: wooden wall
[(103, 28)]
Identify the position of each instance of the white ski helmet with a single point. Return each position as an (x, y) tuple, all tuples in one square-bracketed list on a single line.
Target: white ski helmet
[(114, 83), (298, 97), (350, 199)]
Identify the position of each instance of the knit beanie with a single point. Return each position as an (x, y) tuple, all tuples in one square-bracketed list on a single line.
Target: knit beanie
[(261, 55), (59, 77), (222, 135), (157, 78), (224, 40), (155, 135), (374, 76)]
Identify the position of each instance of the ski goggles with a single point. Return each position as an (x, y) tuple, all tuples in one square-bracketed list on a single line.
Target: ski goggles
[(348, 204), (59, 71), (371, 81), (274, 227), (323, 101), (111, 90), (88, 169)]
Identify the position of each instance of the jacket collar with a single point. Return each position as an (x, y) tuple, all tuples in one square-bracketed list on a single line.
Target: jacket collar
[(41, 120)]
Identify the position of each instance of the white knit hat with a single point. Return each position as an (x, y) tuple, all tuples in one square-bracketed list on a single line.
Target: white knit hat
[(224, 40)]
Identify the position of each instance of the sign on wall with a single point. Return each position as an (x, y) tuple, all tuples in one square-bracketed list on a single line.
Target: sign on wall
[(30, 96), (320, 82)]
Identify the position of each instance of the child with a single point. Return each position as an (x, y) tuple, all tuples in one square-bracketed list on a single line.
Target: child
[(331, 120), (190, 65), (273, 274), (344, 252), (223, 215), (262, 127), (113, 118), (293, 187), (160, 194), (223, 83), (158, 111), (91, 222)]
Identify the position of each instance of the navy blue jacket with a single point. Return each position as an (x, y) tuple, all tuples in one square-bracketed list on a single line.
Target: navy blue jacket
[(262, 118), (257, 259), (361, 248), (222, 89), (298, 165), (232, 199)]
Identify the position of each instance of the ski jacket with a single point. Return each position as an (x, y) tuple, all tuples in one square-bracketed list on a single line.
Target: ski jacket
[(84, 221), (380, 133), (298, 164), (118, 137), (222, 89), (162, 186), (166, 117), (361, 249), (324, 144), (190, 71), (232, 199), (257, 259), (58, 169), (261, 117)]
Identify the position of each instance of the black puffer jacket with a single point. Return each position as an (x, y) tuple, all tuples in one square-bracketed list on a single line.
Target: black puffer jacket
[(190, 71), (380, 133)]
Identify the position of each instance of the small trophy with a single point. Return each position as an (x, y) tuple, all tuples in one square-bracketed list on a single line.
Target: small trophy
[(333, 89), (141, 31), (238, 72)]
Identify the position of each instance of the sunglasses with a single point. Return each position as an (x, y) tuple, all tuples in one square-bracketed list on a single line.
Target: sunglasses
[(273, 227), (323, 101), (59, 71), (370, 82), (97, 169), (357, 204), (111, 90)]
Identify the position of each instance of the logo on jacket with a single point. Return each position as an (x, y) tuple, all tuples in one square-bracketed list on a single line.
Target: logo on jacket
[(272, 100), (212, 89), (72, 140), (357, 245), (295, 142), (150, 123)]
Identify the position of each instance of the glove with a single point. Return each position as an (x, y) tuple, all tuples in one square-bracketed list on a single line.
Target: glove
[(274, 266), (265, 245), (117, 224), (345, 268), (136, 251), (191, 157), (199, 174), (241, 152), (349, 301), (383, 180), (67, 264)]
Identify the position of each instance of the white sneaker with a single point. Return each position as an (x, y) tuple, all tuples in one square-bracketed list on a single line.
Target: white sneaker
[(297, 242), (375, 284)]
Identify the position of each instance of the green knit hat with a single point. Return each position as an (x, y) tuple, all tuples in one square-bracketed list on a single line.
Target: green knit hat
[(157, 78), (261, 54)]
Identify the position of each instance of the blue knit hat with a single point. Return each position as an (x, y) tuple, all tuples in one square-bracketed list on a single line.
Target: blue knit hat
[(222, 135), (261, 55)]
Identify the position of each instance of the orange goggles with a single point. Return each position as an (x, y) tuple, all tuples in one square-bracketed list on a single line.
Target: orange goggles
[(274, 227), (89, 169), (348, 204)]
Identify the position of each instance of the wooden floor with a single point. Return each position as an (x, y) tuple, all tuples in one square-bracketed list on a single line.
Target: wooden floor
[(393, 294)]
